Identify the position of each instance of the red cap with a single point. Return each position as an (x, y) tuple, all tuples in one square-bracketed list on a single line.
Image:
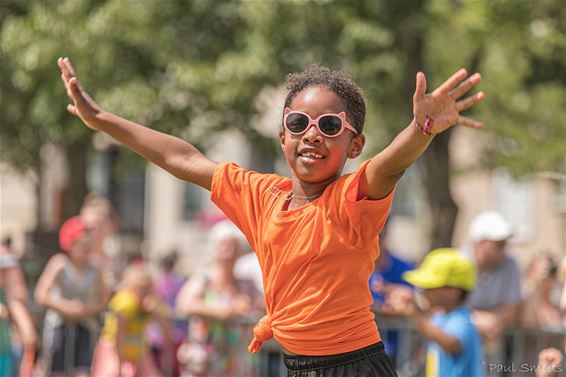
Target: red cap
[(70, 231)]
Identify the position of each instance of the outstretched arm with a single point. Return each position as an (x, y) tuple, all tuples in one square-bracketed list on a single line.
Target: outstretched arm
[(176, 156), (440, 110)]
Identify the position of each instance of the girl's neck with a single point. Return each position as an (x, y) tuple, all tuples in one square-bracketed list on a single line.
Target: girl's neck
[(304, 192)]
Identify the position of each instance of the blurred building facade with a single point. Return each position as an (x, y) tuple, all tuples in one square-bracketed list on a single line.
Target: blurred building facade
[(18, 202)]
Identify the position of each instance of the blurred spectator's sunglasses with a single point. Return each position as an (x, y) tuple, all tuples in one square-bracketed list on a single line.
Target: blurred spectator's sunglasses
[(329, 125)]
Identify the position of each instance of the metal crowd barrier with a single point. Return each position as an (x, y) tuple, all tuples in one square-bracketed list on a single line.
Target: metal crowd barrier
[(516, 354)]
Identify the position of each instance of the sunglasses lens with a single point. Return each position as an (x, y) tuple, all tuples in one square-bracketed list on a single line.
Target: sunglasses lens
[(296, 123), (330, 125)]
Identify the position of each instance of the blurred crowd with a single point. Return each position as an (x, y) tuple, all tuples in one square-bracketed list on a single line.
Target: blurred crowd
[(482, 283), (107, 315)]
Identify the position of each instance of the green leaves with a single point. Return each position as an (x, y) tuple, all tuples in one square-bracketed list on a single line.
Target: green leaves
[(177, 64)]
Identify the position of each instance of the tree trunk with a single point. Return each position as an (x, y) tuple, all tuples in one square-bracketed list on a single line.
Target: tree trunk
[(76, 189), (436, 177), (443, 209)]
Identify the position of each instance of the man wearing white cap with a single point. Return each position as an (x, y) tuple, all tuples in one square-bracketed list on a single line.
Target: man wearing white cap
[(497, 296)]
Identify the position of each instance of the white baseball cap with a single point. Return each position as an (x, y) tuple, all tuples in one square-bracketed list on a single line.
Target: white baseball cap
[(490, 225)]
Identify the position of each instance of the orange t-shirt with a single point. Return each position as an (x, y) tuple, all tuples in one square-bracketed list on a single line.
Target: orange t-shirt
[(316, 260)]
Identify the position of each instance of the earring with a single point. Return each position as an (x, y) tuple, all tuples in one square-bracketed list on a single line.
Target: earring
[(283, 148)]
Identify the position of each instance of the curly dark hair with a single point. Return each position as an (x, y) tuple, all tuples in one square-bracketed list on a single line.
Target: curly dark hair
[(337, 81)]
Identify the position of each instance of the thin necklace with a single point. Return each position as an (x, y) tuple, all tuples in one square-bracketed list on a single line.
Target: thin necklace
[(293, 196)]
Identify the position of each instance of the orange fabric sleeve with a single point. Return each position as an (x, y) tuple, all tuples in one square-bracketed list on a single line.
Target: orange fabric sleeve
[(362, 219), (239, 193)]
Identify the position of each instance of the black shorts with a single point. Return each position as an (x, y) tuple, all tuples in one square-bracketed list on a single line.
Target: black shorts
[(371, 361), (71, 348)]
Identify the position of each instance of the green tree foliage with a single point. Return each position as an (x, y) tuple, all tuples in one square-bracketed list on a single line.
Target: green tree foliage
[(520, 49), (194, 68)]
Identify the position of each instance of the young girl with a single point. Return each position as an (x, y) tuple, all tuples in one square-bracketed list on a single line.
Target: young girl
[(74, 294), (168, 283), (315, 234), (122, 349)]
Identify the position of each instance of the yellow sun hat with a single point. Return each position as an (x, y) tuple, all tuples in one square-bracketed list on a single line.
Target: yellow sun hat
[(445, 267)]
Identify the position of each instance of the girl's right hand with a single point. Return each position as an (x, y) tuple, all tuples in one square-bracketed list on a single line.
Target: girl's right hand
[(83, 105)]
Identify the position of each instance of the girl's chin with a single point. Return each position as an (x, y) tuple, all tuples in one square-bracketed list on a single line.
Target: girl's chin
[(313, 175)]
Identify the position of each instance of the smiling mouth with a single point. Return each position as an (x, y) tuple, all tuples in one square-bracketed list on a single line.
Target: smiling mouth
[(311, 155)]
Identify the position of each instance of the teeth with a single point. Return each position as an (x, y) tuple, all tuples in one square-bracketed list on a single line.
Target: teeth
[(311, 154)]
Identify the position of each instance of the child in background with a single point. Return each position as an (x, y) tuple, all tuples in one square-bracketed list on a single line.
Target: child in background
[(167, 286), (13, 309), (455, 348), (122, 350), (74, 293), (315, 234)]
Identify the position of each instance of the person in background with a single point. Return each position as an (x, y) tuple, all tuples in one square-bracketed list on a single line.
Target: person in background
[(122, 350), (563, 296), (544, 297), (101, 219), (388, 272), (214, 299), (74, 293), (13, 309), (549, 363), (446, 278), (562, 279), (386, 278), (167, 286), (496, 300), (247, 268)]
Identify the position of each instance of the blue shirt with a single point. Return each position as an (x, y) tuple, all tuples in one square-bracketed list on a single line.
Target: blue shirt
[(389, 273), (468, 363)]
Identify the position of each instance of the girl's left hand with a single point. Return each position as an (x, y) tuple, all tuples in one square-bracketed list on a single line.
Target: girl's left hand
[(444, 105)]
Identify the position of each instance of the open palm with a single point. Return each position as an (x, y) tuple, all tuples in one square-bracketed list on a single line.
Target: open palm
[(444, 105), (83, 105)]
